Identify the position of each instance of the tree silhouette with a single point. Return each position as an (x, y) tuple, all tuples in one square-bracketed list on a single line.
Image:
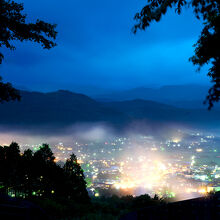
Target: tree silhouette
[(43, 165), (37, 174), (7, 92), (3, 170), (12, 167), (207, 48), (44, 154), (75, 183), (27, 171), (13, 26)]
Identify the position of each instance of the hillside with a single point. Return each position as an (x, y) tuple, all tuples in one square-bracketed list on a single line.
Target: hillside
[(182, 96), (58, 108), (162, 113), (64, 108)]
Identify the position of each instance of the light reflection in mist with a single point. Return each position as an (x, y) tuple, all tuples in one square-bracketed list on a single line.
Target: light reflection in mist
[(144, 168)]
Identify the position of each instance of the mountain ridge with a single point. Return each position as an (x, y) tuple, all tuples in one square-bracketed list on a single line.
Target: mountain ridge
[(183, 96), (64, 108)]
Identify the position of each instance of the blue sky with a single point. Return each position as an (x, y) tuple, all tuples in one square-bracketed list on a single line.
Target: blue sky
[(97, 48)]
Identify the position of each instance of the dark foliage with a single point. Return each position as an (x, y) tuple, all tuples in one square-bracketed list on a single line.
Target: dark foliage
[(113, 207), (207, 48), (60, 191), (36, 174), (14, 26), (7, 92)]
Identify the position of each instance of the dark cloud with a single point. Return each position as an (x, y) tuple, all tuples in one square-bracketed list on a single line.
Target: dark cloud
[(95, 46)]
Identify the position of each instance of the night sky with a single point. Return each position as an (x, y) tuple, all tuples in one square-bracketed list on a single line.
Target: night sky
[(97, 48)]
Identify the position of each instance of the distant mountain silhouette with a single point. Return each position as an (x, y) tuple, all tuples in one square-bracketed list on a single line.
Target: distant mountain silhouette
[(60, 108), (64, 108), (157, 112), (183, 96)]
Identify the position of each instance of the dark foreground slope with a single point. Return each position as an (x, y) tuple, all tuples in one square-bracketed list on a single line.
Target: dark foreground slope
[(124, 208), (19, 209), (204, 208)]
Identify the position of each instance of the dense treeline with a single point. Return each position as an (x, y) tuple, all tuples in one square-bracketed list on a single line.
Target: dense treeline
[(112, 207), (59, 190), (36, 174)]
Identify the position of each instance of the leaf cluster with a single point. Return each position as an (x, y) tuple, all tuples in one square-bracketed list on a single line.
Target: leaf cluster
[(15, 27), (207, 48)]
